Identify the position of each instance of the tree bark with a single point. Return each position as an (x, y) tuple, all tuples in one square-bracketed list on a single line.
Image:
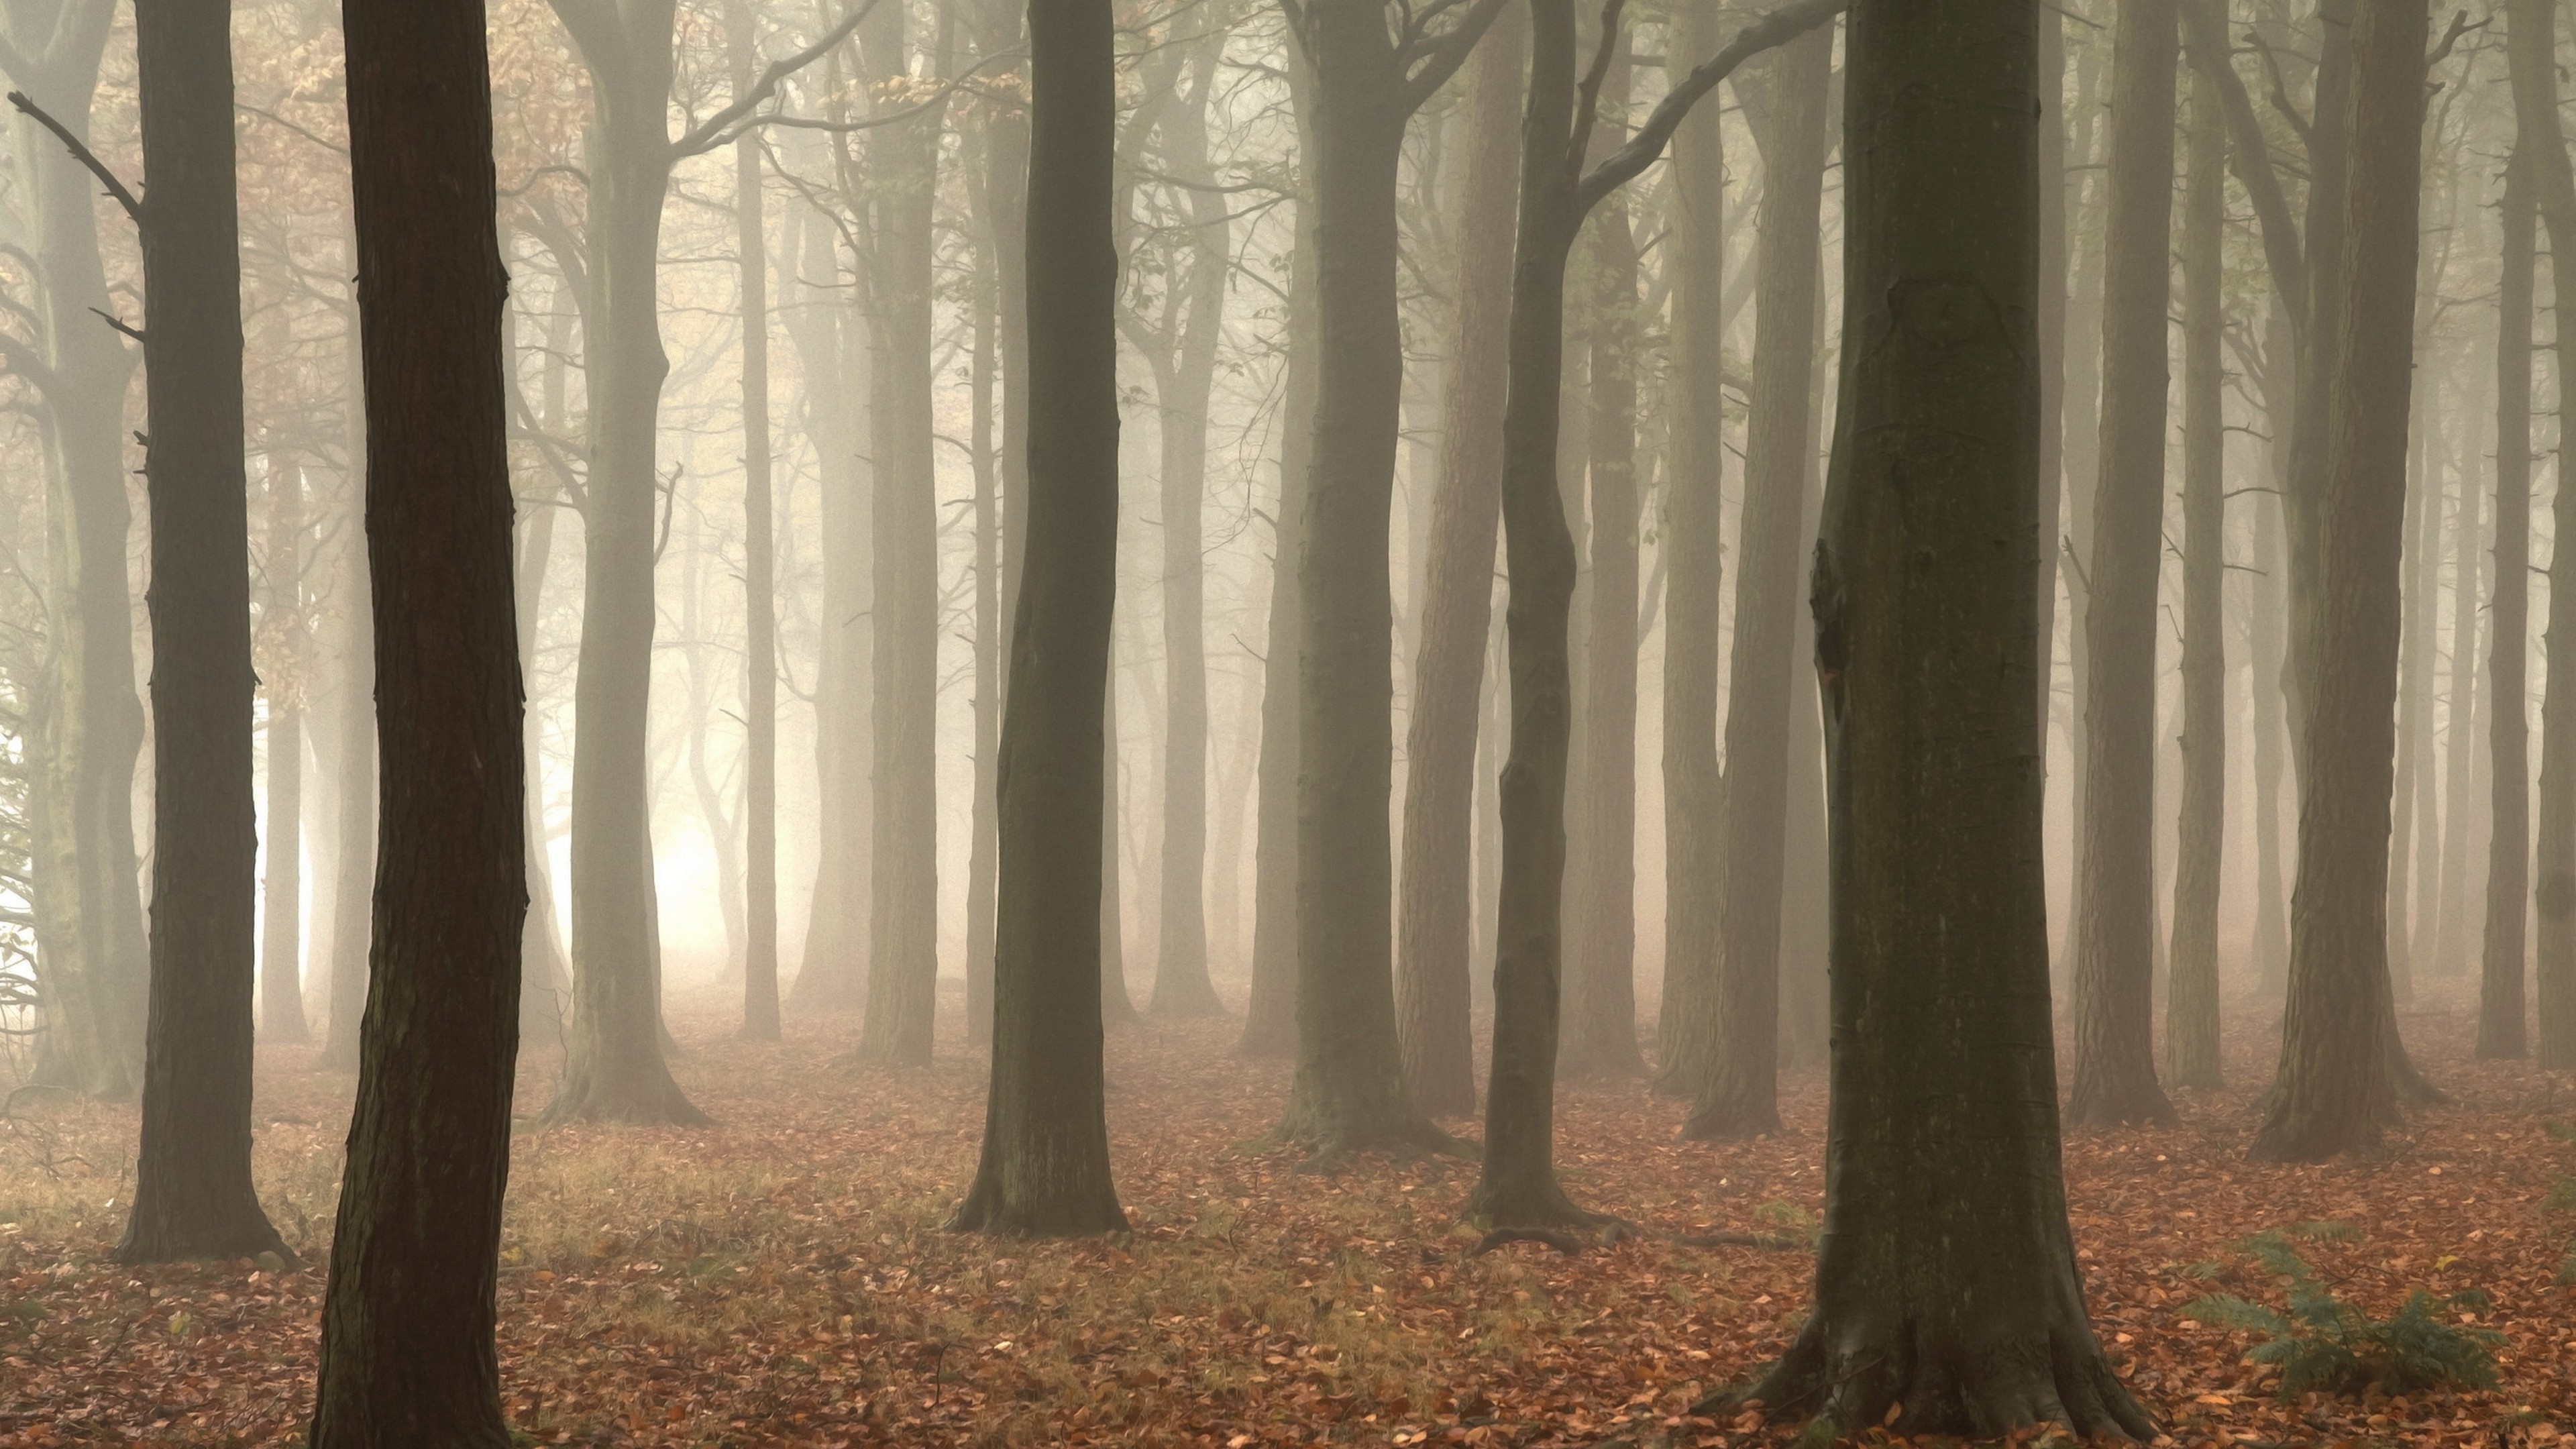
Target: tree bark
[(407, 1320), (1741, 1096), (1432, 981), (2335, 1089), (760, 617), (1947, 1296), (1045, 1165), (2459, 766), (2502, 1026), (193, 1196), (2115, 1065), (281, 969), (2191, 1005)]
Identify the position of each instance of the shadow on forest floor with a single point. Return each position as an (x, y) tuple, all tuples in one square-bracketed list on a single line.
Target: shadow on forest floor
[(781, 1277)]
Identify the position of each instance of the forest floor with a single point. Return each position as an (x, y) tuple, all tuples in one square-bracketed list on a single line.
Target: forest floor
[(782, 1276)]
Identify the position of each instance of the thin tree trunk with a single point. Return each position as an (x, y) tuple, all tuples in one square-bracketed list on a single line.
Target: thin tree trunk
[(2336, 1086), (2115, 1064), (407, 1321), (281, 969), (1045, 1166), (353, 872), (2191, 1007), (983, 861), (2501, 1014), (2459, 766), (1741, 1097), (1433, 989), (759, 581)]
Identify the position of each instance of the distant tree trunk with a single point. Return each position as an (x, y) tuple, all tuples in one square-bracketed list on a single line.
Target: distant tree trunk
[(2336, 1088), (1045, 1166), (1695, 408), (89, 900), (1270, 1017), (2411, 823), (2501, 1014), (2459, 766), (903, 930), (2530, 50), (1433, 973), (2115, 1064), (543, 984), (281, 971), (1600, 1027), (2268, 650), (760, 617), (192, 1189), (1185, 380), (2191, 1007), (1368, 79), (1117, 1008), (983, 840), (2054, 278), (353, 872), (407, 1320), (1947, 1295), (1518, 1185), (1741, 1097)]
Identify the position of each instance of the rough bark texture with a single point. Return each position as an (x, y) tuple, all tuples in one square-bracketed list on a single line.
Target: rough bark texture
[(407, 1320), (281, 955), (1741, 1096), (903, 920), (2504, 956), (89, 901), (2541, 144), (1432, 971), (2335, 1089), (1045, 1166), (1695, 566), (2115, 932), (192, 1188), (2191, 1003), (1947, 1297)]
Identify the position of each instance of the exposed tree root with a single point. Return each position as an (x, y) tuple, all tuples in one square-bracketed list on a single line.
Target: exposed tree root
[(1888, 1378)]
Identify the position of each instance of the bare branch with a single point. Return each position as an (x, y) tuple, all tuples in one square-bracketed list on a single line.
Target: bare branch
[(710, 133), (83, 154), (1777, 28)]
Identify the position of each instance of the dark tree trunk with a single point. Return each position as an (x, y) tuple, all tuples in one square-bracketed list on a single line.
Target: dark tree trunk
[(2336, 1085), (2115, 932), (2540, 144), (192, 1188), (407, 1320), (760, 626), (2501, 1024), (1518, 1185), (1741, 1097), (281, 968), (2191, 1006), (1947, 1297), (1694, 788), (1600, 1026), (89, 902), (1432, 980), (903, 929), (1349, 1091), (1045, 1166)]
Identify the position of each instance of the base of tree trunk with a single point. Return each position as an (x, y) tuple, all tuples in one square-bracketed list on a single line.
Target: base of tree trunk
[(1851, 1371), (1529, 1204), (646, 1103), (178, 1232), (1723, 1115), (1181, 995), (1397, 1131), (2135, 1102), (1065, 1202)]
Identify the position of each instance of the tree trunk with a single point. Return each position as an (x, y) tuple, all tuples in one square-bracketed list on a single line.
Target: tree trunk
[(2530, 50), (2268, 646), (2335, 1089), (353, 872), (760, 617), (89, 901), (903, 929), (1045, 1165), (615, 1069), (1947, 1296), (407, 1320), (2459, 765), (1432, 979), (2115, 1064), (983, 840), (281, 969), (2412, 823), (1741, 1097), (1694, 786), (1117, 1008), (2501, 1013), (1600, 1024), (2191, 1006), (192, 1190)]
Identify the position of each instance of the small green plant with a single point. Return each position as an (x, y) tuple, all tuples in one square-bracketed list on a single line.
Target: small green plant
[(1790, 1221), (2326, 1344)]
